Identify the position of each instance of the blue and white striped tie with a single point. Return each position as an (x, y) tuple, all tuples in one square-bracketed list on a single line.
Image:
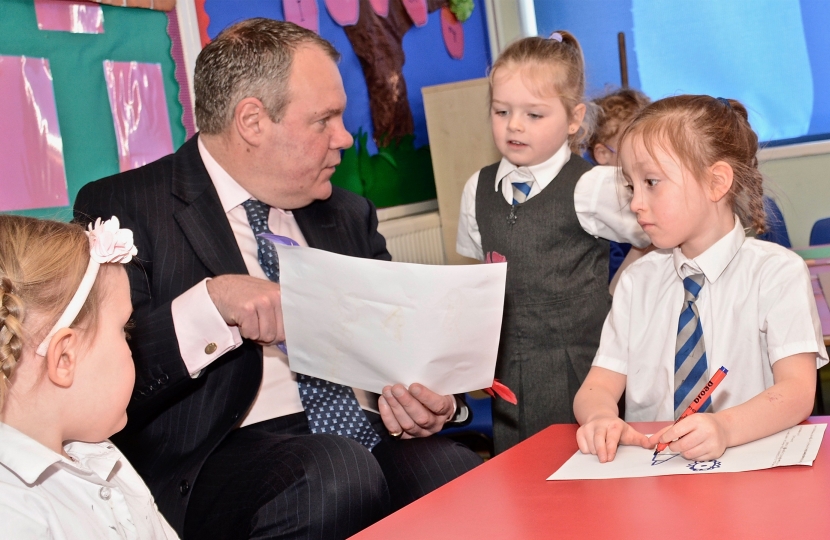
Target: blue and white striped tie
[(521, 179), (520, 192), (330, 407), (690, 367)]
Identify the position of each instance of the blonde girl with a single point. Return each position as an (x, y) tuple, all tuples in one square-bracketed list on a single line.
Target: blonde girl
[(708, 297), (66, 375), (549, 214)]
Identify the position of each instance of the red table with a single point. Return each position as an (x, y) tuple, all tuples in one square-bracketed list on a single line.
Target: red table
[(508, 497)]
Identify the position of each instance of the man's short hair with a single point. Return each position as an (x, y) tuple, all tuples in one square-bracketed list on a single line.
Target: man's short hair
[(251, 58)]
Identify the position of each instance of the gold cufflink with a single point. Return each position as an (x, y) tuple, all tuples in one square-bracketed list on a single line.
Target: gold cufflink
[(210, 348)]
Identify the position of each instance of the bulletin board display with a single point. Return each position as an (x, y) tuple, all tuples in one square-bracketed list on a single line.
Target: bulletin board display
[(768, 54), (400, 172), (76, 62)]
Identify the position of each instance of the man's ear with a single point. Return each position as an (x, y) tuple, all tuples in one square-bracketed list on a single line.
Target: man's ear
[(62, 357), (721, 174), (577, 117), (249, 116), (601, 154)]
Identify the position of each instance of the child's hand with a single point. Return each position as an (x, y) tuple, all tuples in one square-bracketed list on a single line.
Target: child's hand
[(699, 437), (602, 435)]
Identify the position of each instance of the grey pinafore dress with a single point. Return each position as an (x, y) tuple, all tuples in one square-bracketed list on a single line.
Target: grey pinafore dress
[(556, 300)]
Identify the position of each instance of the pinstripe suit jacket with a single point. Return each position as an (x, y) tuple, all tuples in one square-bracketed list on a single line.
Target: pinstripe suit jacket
[(182, 235)]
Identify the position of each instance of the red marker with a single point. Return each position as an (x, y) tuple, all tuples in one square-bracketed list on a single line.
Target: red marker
[(698, 402)]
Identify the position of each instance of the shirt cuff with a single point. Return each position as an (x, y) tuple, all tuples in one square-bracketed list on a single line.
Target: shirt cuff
[(201, 331), (791, 349)]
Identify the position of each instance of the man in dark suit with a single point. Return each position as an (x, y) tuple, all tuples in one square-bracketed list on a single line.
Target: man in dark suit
[(218, 424)]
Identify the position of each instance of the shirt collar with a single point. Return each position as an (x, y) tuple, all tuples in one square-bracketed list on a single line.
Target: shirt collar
[(29, 459), (714, 260), (100, 458), (23, 455), (543, 173), (231, 194)]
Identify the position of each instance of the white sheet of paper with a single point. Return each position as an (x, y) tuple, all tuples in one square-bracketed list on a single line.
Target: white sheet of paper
[(368, 323), (795, 446)]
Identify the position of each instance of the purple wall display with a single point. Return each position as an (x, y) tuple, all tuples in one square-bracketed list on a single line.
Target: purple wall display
[(453, 33), (303, 13), (417, 10), (139, 112), (381, 7), (344, 12), (77, 17), (31, 157)]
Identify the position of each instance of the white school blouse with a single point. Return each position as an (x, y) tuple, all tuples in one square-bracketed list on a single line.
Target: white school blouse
[(600, 200), (97, 495), (756, 307)]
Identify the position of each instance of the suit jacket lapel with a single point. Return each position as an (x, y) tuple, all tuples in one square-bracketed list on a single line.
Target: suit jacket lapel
[(203, 220), (319, 224)]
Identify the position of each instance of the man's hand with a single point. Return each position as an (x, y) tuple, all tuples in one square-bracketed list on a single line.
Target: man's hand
[(252, 304), (601, 437), (417, 412)]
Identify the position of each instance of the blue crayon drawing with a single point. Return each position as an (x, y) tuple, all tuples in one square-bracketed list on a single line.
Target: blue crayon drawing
[(698, 466), (662, 458)]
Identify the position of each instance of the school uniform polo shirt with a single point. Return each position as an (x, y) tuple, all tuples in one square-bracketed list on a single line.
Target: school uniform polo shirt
[(95, 494), (756, 307)]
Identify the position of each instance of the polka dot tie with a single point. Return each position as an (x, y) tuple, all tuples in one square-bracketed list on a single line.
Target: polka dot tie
[(330, 407)]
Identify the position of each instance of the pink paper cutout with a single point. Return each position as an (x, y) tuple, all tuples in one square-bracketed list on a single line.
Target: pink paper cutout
[(31, 156), (344, 12), (417, 10), (303, 13), (381, 7), (77, 16), (453, 33), (139, 112)]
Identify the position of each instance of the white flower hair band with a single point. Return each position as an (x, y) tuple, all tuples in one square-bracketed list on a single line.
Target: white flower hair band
[(108, 243)]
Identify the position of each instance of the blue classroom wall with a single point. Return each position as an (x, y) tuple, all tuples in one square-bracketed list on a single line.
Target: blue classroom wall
[(725, 50), (427, 60), (815, 16), (595, 23), (771, 54)]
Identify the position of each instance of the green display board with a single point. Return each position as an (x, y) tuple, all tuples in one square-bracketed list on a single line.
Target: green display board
[(818, 252), (90, 150)]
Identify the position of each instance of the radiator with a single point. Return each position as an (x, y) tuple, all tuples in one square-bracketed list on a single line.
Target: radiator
[(414, 239)]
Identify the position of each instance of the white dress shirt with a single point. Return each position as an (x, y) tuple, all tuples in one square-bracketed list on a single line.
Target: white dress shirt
[(600, 200), (95, 495), (197, 321), (756, 307)]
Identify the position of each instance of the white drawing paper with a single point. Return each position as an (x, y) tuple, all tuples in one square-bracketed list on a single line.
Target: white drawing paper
[(798, 445), (368, 323)]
